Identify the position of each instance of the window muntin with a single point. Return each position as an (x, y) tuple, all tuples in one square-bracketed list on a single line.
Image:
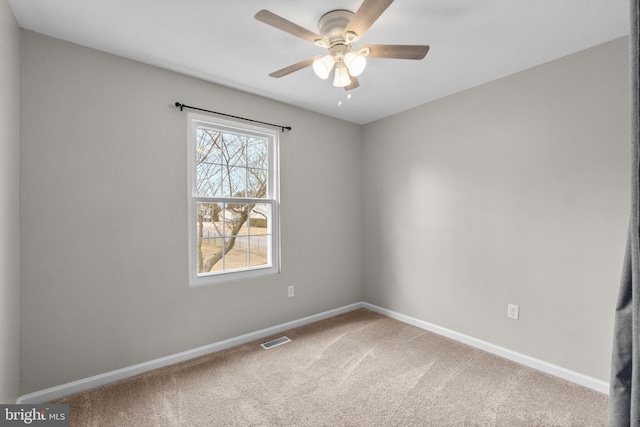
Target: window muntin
[(233, 215)]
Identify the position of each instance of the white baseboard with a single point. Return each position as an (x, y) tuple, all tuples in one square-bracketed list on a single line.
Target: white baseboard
[(108, 377), (557, 371), (67, 389)]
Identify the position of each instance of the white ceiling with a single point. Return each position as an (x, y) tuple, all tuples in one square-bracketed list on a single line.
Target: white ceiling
[(472, 42)]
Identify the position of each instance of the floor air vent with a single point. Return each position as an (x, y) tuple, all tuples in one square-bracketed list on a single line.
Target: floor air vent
[(274, 343)]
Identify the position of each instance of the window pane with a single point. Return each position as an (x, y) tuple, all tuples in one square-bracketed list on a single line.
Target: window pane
[(235, 217), (238, 256), (208, 145), (257, 154), (259, 238), (235, 149), (234, 182), (257, 183), (209, 179), (208, 163), (210, 254), (209, 241), (209, 214), (259, 222), (259, 250)]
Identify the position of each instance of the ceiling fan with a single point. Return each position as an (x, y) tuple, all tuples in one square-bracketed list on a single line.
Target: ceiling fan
[(338, 30)]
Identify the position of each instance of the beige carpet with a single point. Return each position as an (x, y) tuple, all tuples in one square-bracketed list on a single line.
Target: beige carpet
[(356, 369)]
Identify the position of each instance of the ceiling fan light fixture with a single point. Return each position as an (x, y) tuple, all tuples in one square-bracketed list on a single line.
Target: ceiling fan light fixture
[(342, 78), (322, 66), (355, 63)]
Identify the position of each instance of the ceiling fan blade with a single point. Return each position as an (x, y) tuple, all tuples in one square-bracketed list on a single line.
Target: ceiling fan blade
[(365, 16), (397, 51), (292, 68), (280, 23), (354, 83)]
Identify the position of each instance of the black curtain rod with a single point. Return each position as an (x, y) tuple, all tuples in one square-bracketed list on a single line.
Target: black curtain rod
[(181, 106)]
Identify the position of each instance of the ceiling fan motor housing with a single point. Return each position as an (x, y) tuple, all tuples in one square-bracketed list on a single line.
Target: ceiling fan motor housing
[(332, 24)]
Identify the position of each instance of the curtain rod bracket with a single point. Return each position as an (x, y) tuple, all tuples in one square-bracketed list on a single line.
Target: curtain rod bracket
[(183, 106)]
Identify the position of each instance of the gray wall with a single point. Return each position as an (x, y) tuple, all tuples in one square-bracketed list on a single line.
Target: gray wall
[(516, 192), (104, 216), (9, 204)]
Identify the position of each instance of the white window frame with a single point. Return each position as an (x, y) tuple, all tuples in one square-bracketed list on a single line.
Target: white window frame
[(273, 199)]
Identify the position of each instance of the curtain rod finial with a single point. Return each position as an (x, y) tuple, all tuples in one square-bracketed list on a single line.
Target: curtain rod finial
[(179, 105)]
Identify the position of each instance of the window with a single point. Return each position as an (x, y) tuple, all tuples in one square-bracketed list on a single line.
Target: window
[(233, 201)]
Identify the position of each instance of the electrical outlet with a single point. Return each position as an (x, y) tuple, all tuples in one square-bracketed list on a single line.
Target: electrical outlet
[(513, 311), (290, 291)]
